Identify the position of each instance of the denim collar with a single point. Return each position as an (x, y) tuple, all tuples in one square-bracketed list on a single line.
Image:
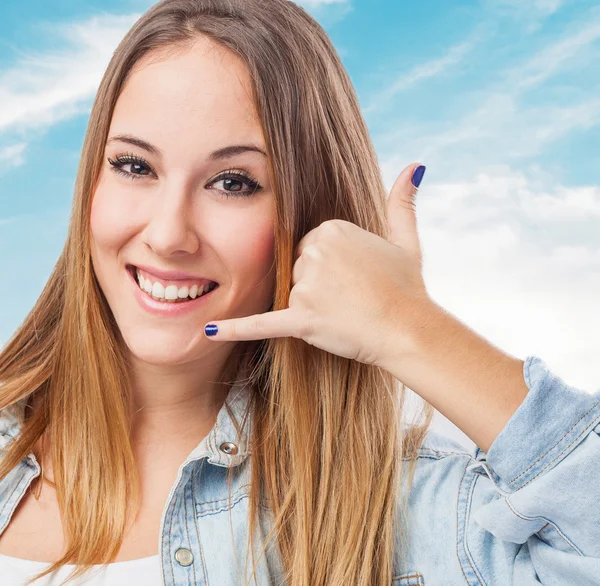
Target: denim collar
[(217, 445), (221, 446)]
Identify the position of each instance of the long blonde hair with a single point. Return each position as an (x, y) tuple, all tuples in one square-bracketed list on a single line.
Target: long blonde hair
[(334, 524)]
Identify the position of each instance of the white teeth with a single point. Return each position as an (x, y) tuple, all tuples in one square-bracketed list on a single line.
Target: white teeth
[(171, 293), (158, 290)]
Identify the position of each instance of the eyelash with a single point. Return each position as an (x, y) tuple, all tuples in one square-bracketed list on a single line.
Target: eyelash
[(235, 174)]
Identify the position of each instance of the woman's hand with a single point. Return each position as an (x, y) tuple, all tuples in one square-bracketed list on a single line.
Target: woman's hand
[(352, 291), (362, 297)]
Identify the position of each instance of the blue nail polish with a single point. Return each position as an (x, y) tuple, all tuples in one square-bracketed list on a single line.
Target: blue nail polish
[(211, 330), (418, 175)]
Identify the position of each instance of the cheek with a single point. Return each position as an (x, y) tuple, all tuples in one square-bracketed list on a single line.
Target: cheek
[(250, 246), (108, 219), (260, 245)]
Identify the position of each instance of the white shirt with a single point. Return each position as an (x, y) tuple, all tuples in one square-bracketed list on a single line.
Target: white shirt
[(146, 571)]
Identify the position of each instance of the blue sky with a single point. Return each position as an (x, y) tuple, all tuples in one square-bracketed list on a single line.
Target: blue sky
[(499, 98)]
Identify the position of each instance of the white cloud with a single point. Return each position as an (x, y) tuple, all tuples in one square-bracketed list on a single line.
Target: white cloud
[(502, 128), (548, 6), (530, 14), (12, 156), (579, 256), (541, 7), (44, 88), (423, 71), (555, 56), (567, 204)]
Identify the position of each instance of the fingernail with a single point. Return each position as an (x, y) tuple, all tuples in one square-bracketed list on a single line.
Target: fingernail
[(211, 330), (418, 175)]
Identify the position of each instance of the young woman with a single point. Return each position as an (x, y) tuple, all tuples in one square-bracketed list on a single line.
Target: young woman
[(228, 179)]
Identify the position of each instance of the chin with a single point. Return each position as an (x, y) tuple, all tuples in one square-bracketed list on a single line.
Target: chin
[(159, 350)]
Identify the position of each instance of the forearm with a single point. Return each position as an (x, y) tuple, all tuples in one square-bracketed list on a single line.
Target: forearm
[(477, 386)]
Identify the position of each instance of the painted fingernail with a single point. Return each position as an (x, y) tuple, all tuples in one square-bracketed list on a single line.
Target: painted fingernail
[(211, 330), (418, 175)]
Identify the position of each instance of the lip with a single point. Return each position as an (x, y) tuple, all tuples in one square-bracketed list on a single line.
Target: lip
[(164, 308), (171, 275)]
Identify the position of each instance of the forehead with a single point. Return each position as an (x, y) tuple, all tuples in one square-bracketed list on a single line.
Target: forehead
[(188, 96)]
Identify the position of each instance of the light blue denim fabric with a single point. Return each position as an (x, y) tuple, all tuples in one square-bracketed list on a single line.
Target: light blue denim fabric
[(525, 513)]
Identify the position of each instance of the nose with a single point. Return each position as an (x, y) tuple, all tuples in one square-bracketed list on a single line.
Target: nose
[(170, 228)]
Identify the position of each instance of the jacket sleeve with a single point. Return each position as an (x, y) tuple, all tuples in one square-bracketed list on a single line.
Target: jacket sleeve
[(529, 509)]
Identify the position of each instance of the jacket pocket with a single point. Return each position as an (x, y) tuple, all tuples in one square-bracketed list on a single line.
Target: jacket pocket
[(412, 579)]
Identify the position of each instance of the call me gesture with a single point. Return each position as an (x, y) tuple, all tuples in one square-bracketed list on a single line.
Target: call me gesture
[(359, 296)]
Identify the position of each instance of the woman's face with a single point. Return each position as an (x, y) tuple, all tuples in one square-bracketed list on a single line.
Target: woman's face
[(175, 211)]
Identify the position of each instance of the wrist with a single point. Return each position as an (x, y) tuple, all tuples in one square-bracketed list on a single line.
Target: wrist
[(412, 334)]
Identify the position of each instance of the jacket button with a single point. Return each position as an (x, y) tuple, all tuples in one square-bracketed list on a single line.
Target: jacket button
[(184, 556), (229, 448)]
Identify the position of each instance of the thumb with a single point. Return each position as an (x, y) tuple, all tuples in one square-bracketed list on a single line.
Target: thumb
[(402, 216)]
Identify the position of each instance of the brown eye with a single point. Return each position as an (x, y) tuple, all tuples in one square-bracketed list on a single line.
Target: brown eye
[(137, 164), (232, 182)]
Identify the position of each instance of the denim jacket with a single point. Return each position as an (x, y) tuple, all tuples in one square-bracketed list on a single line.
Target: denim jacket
[(525, 513)]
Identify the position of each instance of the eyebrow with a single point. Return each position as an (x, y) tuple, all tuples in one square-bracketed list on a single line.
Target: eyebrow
[(222, 153)]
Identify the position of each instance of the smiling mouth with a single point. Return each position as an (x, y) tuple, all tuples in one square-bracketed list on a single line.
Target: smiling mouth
[(174, 294)]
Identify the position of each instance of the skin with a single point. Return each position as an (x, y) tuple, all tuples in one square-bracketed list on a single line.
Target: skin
[(177, 217)]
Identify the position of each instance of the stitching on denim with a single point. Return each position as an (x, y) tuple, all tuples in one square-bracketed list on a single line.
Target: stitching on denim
[(548, 522), (200, 542), (212, 441), (225, 499), (169, 533), (528, 380), (171, 514), (235, 399), (465, 535), (583, 432), (443, 453), (229, 461), (203, 559), (201, 550), (212, 438), (221, 510), (458, 555), (419, 577), (561, 534), (162, 555), (162, 538), (438, 455), (185, 491)]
